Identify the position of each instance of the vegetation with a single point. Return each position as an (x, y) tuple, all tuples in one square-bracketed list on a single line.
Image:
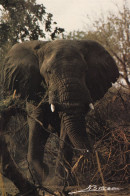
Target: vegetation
[(24, 20), (109, 127)]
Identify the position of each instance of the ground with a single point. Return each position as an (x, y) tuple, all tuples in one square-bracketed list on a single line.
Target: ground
[(10, 190)]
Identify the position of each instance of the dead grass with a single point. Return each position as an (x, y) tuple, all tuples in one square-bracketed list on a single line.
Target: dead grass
[(108, 126)]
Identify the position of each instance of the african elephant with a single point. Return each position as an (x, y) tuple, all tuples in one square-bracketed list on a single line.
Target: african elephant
[(75, 74)]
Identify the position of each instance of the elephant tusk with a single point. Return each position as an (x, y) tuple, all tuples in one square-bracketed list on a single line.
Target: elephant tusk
[(52, 107), (91, 106)]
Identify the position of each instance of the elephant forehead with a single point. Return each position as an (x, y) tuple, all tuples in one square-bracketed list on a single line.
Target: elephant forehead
[(61, 49), (64, 62), (62, 55)]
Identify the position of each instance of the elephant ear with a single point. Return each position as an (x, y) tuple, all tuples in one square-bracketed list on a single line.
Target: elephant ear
[(21, 69), (102, 70)]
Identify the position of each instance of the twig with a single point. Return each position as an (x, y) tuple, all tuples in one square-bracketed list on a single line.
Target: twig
[(30, 172), (124, 104), (101, 174), (47, 190)]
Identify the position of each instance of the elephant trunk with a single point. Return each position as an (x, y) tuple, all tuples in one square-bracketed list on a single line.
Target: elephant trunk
[(76, 130), (72, 102)]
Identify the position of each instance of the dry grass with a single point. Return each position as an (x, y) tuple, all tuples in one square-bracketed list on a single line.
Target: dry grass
[(2, 188), (108, 127)]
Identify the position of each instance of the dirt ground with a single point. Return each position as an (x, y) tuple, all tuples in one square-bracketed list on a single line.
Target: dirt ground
[(8, 189)]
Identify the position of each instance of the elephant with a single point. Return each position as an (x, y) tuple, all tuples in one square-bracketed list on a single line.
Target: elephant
[(72, 75)]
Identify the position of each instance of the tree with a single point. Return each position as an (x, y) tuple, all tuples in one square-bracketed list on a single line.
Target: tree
[(24, 20), (113, 34)]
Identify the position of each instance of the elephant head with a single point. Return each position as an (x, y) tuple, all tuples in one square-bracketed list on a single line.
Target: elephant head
[(64, 69), (76, 73)]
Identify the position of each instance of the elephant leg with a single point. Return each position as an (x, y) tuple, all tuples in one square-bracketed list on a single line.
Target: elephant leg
[(65, 155), (37, 140), (10, 170), (60, 169)]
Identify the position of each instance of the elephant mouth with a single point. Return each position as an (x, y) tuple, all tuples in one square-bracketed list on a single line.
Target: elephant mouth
[(73, 102), (68, 107), (71, 107)]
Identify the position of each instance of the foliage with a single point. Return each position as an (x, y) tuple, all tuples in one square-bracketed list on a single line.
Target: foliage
[(24, 20), (113, 34)]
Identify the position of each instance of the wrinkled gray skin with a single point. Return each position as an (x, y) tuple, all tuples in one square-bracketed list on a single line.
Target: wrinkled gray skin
[(76, 74)]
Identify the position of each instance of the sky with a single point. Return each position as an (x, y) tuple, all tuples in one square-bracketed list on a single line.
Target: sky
[(72, 14)]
